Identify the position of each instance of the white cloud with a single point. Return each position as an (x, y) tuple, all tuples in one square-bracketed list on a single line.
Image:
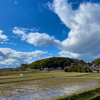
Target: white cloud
[(50, 54), (15, 2), (3, 37), (20, 32), (3, 42), (88, 56), (69, 54), (34, 29), (8, 43), (41, 39), (36, 38), (9, 57), (40, 8), (84, 24)]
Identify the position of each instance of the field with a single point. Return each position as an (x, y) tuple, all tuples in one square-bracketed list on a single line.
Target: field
[(60, 76), (14, 76)]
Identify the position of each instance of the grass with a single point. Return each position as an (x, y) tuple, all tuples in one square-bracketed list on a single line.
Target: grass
[(7, 73), (94, 75), (21, 79), (80, 75), (89, 76), (62, 74), (14, 76)]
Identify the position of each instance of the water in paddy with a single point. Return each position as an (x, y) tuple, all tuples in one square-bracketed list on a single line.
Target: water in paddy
[(44, 89)]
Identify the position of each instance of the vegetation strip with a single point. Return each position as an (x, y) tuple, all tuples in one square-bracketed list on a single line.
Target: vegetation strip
[(12, 81), (80, 75), (90, 94)]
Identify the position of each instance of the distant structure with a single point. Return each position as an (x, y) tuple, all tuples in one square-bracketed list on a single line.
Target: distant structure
[(22, 74), (59, 68)]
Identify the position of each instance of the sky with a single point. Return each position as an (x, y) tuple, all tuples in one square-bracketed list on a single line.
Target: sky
[(31, 30)]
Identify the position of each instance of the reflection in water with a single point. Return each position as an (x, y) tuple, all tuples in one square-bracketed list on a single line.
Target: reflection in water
[(44, 89)]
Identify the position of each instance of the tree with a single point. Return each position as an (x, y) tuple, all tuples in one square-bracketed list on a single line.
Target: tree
[(83, 69), (67, 63), (81, 62), (79, 68), (97, 61), (65, 69), (60, 62), (24, 65)]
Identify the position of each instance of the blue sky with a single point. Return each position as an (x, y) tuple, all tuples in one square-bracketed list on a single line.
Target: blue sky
[(35, 29)]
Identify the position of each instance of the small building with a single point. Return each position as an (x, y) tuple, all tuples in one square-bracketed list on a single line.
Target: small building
[(28, 69), (46, 69), (52, 68), (59, 68), (22, 74)]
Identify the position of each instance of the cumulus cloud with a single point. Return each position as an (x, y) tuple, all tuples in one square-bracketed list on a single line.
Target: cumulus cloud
[(84, 24), (36, 38), (3, 37), (84, 36), (10, 57), (88, 56), (41, 39), (69, 54)]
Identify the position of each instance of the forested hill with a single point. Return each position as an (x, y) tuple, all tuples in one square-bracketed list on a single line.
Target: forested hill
[(56, 62)]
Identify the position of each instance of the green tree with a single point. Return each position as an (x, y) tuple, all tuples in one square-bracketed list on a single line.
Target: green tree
[(79, 68), (81, 62), (67, 63), (65, 69), (97, 61), (83, 69)]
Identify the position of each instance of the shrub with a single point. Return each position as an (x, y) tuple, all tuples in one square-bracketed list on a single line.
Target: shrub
[(97, 71), (65, 69)]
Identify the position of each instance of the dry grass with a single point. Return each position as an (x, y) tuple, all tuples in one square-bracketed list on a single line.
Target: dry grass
[(94, 75), (11, 76), (29, 75), (61, 73)]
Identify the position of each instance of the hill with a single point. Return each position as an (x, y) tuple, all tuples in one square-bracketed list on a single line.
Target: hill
[(55, 62)]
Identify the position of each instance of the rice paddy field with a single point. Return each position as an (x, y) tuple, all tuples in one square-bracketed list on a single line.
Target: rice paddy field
[(36, 85)]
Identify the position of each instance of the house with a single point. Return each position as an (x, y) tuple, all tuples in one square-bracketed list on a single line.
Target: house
[(97, 68), (52, 68), (46, 69), (28, 69), (59, 68), (94, 65)]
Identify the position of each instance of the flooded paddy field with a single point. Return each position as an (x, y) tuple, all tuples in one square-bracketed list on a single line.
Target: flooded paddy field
[(45, 89)]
